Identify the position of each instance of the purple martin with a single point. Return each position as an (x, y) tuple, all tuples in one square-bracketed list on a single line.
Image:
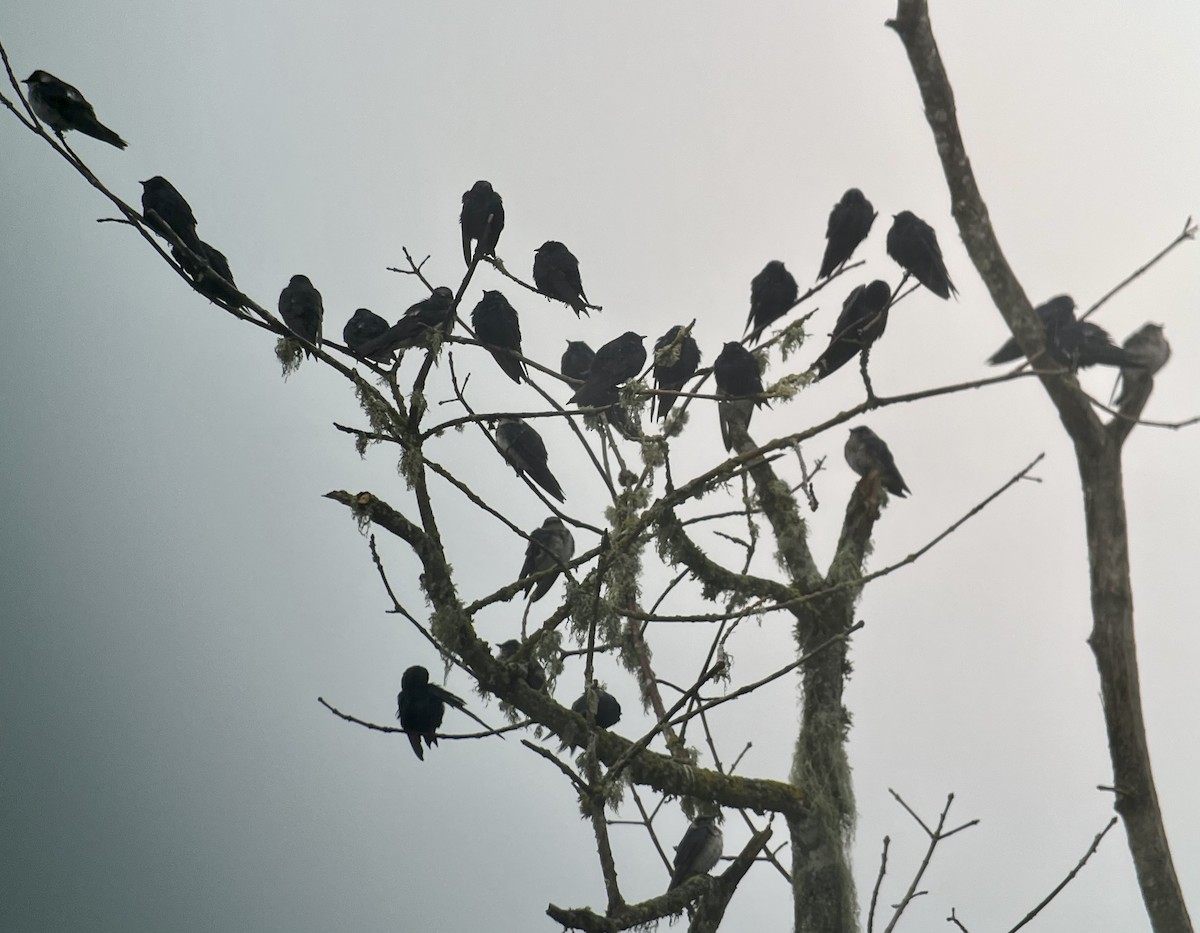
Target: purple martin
[(671, 374), (427, 314), (1149, 349), (737, 376), (362, 328), (867, 453), (1070, 343), (608, 710), (772, 294), (420, 707), (849, 223), (551, 547), (913, 244), (576, 360), (525, 451), (302, 310), (215, 280), (496, 326), (61, 107), (698, 851), (535, 674), (616, 362), (479, 205), (862, 322), (166, 213), (556, 275)]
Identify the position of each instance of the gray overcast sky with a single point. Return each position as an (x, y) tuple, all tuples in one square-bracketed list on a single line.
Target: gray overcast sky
[(177, 594)]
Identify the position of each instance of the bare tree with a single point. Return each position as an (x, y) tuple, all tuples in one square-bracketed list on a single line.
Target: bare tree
[(665, 554)]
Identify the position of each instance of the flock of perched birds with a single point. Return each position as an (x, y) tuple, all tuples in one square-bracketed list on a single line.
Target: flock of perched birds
[(598, 375)]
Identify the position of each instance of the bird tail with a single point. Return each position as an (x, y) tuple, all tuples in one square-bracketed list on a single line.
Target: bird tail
[(98, 130)]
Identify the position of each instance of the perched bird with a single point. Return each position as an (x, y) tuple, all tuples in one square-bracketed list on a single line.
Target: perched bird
[(302, 311), (1071, 343), (214, 281), (525, 451), (551, 547), (363, 327), (556, 275), (1149, 349), (420, 707), (738, 377), (676, 359), (862, 322), (427, 314), (608, 710), (849, 223), (615, 362), (496, 326), (698, 851), (61, 107), (913, 244), (867, 453), (166, 212), (535, 674), (772, 294), (482, 219), (576, 360)]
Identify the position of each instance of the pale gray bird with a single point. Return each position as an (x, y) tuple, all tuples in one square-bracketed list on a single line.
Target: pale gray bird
[(550, 547), (1148, 348), (535, 674), (302, 310), (61, 107), (867, 453), (525, 451), (698, 851)]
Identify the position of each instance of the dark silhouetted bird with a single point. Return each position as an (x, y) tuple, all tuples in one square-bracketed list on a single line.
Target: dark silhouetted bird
[(556, 274), (214, 281), (496, 326), (867, 453), (428, 314), (608, 710), (617, 361), (913, 244), (849, 223), (698, 851), (479, 205), (738, 376), (525, 451), (420, 707), (535, 674), (1149, 349), (676, 359), (302, 310), (1071, 343), (550, 547), (576, 360), (166, 212), (772, 294), (362, 328), (61, 107), (862, 322)]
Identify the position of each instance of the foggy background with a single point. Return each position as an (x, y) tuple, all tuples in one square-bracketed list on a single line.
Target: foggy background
[(176, 594)]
